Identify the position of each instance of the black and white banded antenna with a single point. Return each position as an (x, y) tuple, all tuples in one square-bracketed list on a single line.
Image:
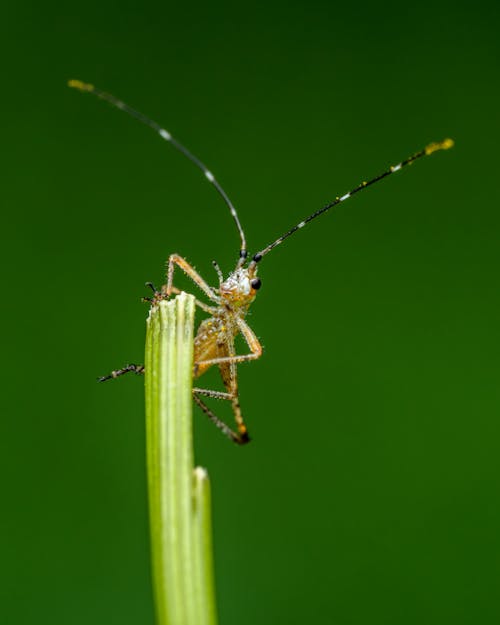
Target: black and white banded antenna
[(164, 134), (429, 149)]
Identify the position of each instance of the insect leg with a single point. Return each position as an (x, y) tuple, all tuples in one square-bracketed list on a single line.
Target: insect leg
[(175, 259), (236, 438), (137, 369), (251, 340), (205, 307), (210, 393), (158, 295), (229, 374)]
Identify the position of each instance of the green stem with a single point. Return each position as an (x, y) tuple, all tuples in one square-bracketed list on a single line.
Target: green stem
[(179, 495)]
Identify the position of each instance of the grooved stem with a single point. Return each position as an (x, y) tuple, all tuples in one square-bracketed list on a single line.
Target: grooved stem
[(179, 495)]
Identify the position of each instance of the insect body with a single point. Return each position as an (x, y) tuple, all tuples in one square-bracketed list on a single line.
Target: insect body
[(230, 301)]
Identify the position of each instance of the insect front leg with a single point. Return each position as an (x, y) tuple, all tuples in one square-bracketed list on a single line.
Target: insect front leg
[(205, 307), (175, 259)]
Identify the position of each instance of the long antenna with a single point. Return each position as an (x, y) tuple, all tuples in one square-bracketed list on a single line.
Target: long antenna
[(429, 149), (164, 134)]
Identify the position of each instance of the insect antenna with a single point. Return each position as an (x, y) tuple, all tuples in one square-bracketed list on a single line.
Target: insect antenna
[(429, 149), (164, 134)]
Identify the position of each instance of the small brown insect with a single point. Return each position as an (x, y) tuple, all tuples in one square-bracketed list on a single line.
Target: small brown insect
[(214, 341)]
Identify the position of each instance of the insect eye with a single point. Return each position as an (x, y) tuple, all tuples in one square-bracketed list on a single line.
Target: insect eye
[(255, 284)]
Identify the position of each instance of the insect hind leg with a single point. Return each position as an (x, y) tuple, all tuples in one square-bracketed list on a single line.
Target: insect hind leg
[(236, 437), (210, 393)]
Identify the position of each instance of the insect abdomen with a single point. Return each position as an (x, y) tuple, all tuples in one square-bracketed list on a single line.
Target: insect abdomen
[(210, 342)]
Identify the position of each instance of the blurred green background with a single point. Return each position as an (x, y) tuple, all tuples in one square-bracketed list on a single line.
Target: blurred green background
[(370, 492)]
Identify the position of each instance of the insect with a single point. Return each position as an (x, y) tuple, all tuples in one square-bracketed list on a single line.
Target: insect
[(230, 301)]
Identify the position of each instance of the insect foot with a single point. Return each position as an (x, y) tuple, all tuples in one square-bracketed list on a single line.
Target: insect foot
[(158, 295)]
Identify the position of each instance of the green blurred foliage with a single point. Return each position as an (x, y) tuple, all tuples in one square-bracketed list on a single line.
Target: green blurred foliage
[(369, 494)]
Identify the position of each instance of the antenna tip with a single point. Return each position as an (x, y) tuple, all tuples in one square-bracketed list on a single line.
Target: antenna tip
[(439, 145), (82, 86)]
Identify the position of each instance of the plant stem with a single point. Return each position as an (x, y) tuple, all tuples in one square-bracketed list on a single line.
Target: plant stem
[(179, 495)]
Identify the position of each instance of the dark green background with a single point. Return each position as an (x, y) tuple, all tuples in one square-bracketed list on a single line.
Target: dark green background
[(370, 493)]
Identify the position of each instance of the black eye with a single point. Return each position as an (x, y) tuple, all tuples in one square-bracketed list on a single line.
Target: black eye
[(255, 284)]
